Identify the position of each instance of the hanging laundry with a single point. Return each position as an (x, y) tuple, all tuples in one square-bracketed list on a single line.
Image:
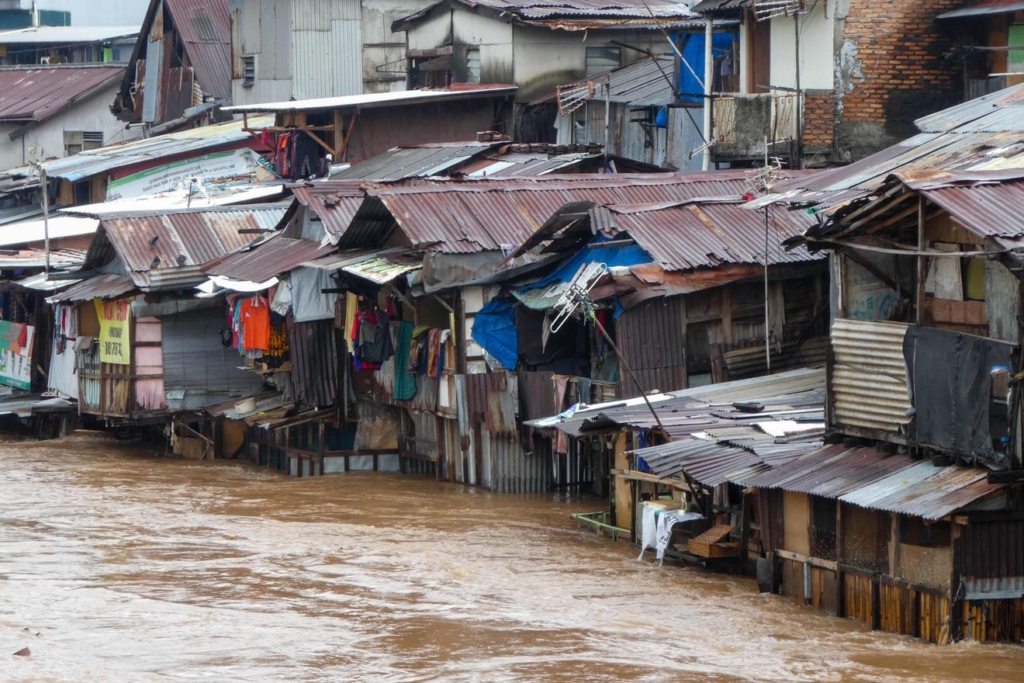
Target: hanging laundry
[(255, 314), (373, 342)]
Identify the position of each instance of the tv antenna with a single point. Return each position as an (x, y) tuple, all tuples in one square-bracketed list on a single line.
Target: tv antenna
[(576, 298)]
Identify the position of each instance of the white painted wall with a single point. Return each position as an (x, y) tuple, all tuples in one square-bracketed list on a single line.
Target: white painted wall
[(816, 49), (46, 141)]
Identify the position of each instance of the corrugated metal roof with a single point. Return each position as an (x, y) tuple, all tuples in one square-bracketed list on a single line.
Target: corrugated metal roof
[(276, 255), (599, 13), (684, 237), (335, 202), (982, 134), (871, 478), (986, 210), (711, 6), (983, 8), (205, 28), (37, 93), (95, 161), (66, 35), (414, 162), (374, 100), (646, 82), (36, 258), (154, 247), (481, 215), (99, 287)]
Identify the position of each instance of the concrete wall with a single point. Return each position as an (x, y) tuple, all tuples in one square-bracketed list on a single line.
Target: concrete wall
[(46, 141), (816, 38)]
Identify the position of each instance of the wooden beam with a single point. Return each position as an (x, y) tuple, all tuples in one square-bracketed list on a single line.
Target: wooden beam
[(919, 297), (831, 565)]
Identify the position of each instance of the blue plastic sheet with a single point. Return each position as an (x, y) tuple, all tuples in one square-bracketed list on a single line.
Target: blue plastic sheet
[(593, 252), (494, 328)]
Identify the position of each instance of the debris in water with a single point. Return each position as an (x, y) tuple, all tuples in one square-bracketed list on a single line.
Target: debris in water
[(23, 652)]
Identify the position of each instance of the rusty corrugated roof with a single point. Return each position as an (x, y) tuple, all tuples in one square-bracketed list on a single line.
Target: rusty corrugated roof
[(99, 287), (205, 28), (181, 240), (39, 92), (695, 235), (871, 478), (276, 255), (335, 202), (483, 215), (988, 210)]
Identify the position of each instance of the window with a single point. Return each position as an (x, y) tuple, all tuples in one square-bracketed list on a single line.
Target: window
[(248, 71), (1015, 61), (76, 141), (602, 59), (473, 65)]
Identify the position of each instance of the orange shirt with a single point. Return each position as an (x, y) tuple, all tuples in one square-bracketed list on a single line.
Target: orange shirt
[(256, 324)]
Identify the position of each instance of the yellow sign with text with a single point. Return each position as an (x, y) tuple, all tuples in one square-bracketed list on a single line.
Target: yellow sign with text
[(115, 331)]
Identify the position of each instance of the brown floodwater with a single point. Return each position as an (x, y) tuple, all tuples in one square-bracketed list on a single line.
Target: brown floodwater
[(119, 566)]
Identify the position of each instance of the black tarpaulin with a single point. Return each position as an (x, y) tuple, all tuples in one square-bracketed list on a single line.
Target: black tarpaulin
[(951, 380)]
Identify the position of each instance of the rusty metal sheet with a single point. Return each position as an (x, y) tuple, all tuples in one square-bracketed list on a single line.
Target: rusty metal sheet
[(988, 210), (35, 94), (334, 202), (276, 255), (99, 287), (205, 30), (483, 215), (314, 357), (179, 239)]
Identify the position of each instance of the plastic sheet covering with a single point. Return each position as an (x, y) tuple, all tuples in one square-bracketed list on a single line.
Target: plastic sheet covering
[(494, 328), (309, 303), (282, 302), (951, 377), (378, 428), (149, 360)]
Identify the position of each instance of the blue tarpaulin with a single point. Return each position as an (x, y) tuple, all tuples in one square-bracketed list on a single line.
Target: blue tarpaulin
[(621, 255), (692, 47), (494, 328)]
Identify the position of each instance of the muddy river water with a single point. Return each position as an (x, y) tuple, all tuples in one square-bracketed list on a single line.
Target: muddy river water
[(119, 566)]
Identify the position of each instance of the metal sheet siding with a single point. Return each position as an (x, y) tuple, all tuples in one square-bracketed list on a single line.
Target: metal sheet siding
[(347, 50), (314, 362), (512, 470), (993, 549), (196, 363), (651, 339), (205, 27), (869, 385)]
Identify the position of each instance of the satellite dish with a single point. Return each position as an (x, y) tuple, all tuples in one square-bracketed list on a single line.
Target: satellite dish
[(577, 294)]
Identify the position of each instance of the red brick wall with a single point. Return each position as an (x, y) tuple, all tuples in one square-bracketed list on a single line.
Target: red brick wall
[(900, 52), (819, 118)]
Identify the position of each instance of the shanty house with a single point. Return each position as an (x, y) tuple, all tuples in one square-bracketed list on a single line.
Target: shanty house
[(145, 347), (356, 127), (180, 68), (66, 44), (913, 522)]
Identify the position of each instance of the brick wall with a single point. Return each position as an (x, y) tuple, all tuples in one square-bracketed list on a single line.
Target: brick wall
[(819, 119), (902, 73)]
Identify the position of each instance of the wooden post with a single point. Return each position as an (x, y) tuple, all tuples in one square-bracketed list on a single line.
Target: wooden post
[(840, 558), (956, 601), (921, 274)]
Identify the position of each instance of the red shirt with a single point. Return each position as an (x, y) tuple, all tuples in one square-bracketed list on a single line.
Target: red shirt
[(256, 324)]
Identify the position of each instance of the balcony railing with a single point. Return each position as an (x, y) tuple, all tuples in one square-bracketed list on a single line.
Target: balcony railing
[(742, 122)]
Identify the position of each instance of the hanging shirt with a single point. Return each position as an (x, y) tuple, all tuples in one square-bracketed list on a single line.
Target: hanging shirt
[(256, 324)]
